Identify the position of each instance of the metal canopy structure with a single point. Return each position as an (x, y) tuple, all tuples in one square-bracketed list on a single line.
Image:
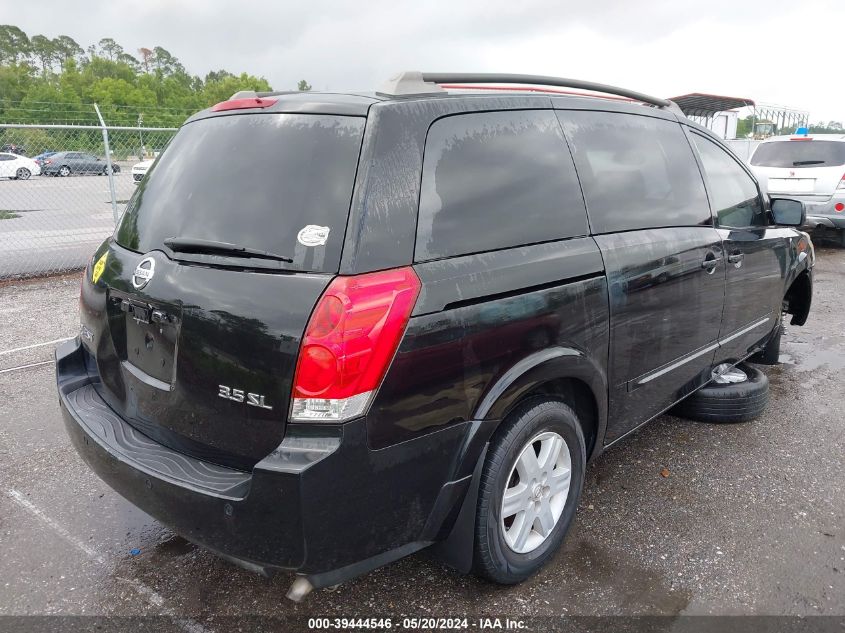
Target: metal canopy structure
[(766, 119), (699, 105), (783, 120)]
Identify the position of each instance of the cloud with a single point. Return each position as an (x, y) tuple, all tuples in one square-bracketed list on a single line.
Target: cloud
[(768, 50)]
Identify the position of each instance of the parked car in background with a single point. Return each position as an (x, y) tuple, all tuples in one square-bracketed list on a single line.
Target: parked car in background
[(42, 157), (13, 148), (811, 168), (139, 170), (17, 167), (68, 163)]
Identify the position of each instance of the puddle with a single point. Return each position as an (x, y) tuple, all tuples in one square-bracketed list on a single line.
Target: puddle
[(624, 583), (812, 359)]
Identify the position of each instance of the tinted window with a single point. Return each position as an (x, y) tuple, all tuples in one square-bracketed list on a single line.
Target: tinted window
[(255, 180), (733, 193), (799, 154), (7, 157), (496, 180), (637, 172)]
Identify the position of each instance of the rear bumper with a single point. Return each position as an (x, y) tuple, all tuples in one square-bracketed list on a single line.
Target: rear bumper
[(825, 221), (322, 504), (824, 214)]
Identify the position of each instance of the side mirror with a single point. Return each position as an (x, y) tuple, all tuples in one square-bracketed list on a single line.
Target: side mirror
[(788, 212)]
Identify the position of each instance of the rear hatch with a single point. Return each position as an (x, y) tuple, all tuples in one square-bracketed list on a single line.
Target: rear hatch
[(804, 167), (212, 275)]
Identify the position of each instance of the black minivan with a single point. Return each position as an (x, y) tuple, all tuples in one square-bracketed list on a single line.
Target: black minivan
[(388, 321)]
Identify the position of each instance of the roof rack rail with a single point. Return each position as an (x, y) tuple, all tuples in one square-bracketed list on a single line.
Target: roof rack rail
[(542, 80), (409, 83)]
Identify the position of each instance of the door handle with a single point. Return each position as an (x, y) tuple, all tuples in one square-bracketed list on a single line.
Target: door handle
[(736, 259), (710, 265)]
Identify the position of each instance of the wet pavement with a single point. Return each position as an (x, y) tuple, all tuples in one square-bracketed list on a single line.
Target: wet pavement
[(749, 520)]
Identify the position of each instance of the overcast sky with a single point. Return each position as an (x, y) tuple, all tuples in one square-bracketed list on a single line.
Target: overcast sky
[(773, 51)]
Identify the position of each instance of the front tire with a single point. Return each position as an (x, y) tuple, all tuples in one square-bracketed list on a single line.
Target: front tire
[(529, 489)]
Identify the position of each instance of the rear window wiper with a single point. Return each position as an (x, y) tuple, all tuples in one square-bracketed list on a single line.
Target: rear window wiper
[(213, 247), (798, 163)]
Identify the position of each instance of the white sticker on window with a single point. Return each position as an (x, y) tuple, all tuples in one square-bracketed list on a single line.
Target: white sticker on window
[(313, 235)]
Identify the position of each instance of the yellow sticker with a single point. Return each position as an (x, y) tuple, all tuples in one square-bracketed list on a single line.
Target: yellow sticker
[(99, 267)]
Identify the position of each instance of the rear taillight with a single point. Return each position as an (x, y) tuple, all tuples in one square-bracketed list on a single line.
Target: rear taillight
[(47, 162), (841, 184), (349, 343)]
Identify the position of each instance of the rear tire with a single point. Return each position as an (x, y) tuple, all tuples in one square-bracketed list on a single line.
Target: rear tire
[(549, 429), (728, 403), (64, 170), (22, 174)]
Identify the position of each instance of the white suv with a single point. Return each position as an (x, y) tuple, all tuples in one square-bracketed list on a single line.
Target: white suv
[(810, 168)]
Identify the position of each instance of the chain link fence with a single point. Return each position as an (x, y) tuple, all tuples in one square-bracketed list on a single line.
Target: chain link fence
[(62, 190)]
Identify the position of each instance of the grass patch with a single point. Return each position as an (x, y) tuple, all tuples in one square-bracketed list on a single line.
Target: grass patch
[(7, 215)]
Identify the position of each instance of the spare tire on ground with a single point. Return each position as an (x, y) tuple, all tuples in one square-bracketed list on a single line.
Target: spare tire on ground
[(736, 394)]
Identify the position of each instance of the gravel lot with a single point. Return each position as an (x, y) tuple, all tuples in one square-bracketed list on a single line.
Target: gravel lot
[(749, 521)]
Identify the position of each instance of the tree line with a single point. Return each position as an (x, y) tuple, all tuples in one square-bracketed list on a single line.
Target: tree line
[(55, 80)]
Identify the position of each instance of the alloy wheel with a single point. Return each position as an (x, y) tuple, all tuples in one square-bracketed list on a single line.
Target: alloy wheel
[(725, 374), (536, 492)]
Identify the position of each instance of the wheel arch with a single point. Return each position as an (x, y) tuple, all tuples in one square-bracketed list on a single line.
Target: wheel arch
[(564, 373), (799, 297)]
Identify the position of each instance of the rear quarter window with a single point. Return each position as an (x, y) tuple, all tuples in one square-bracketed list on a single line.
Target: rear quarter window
[(496, 180), (637, 172), (255, 180)]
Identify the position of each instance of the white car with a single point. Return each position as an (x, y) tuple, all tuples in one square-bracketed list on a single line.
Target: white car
[(808, 167), (17, 167), (140, 170)]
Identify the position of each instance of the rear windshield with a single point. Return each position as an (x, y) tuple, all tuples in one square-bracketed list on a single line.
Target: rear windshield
[(799, 154), (280, 183)]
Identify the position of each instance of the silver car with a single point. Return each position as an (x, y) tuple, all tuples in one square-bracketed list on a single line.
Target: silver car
[(808, 167)]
